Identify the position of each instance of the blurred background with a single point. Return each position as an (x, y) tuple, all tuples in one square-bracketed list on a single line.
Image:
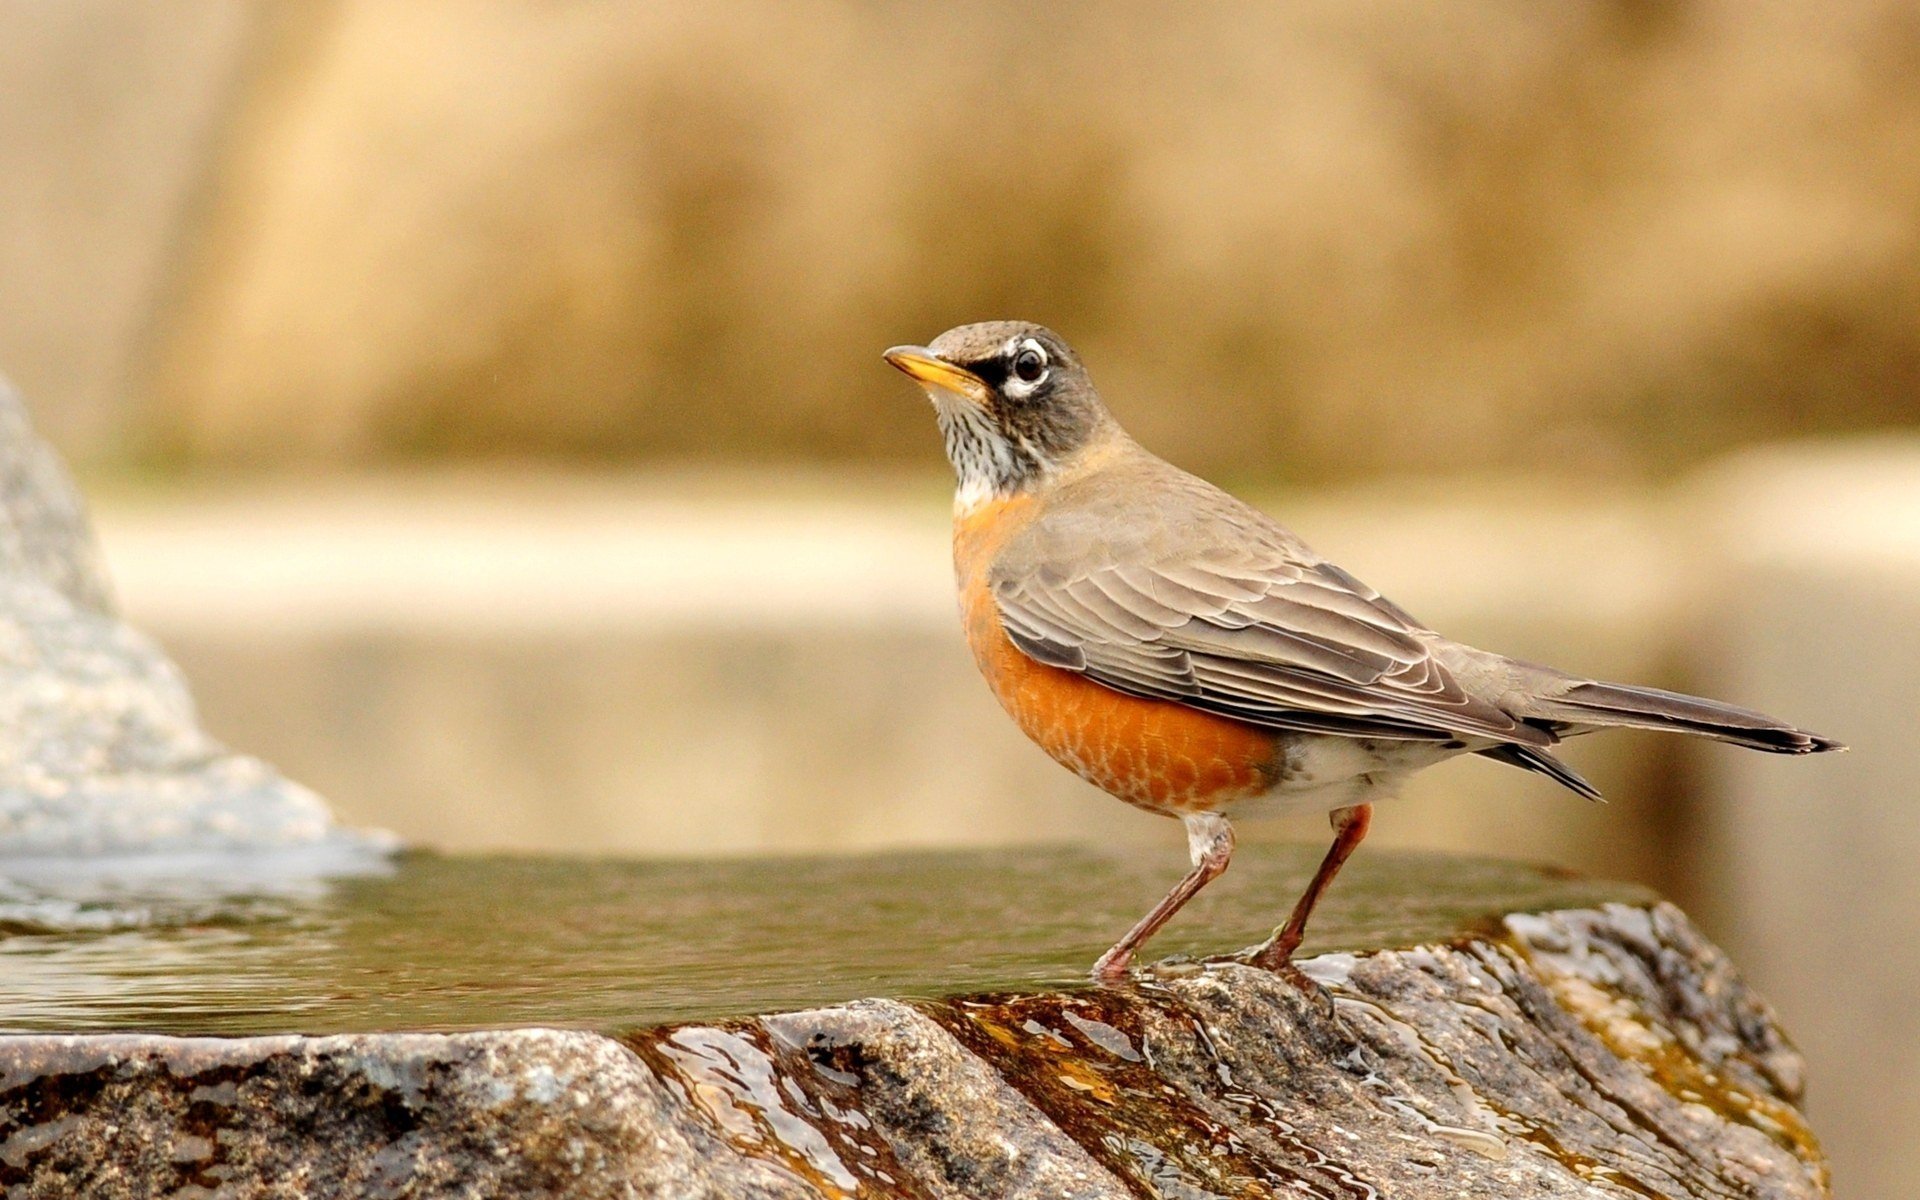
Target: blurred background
[(482, 402)]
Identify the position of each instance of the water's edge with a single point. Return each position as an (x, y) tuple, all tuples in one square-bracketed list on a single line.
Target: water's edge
[(303, 942)]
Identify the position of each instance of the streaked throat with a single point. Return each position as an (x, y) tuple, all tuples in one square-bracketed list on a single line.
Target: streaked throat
[(986, 464)]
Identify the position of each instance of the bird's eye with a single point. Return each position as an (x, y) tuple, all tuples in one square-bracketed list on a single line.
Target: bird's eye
[(1030, 364)]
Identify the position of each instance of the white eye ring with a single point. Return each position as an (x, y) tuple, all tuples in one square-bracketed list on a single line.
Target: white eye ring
[(1028, 355)]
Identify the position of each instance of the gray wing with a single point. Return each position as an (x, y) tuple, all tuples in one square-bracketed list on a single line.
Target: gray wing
[(1267, 634)]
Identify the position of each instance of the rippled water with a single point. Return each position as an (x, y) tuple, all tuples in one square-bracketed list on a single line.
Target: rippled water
[(304, 942)]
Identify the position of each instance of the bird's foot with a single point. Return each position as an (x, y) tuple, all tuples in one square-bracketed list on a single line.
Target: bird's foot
[(1283, 967), (1276, 955), (1281, 963), (1112, 967)]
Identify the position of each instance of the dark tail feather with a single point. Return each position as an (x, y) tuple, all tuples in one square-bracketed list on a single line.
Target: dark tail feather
[(1539, 760), (1629, 707)]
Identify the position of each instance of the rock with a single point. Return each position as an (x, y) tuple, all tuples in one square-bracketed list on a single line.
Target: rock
[(100, 749), (1582, 1053), (43, 525), (526, 1112)]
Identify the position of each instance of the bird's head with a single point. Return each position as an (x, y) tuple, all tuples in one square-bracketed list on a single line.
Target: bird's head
[(1013, 401)]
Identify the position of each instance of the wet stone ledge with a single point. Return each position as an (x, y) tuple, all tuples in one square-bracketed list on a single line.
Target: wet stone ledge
[(1599, 1052)]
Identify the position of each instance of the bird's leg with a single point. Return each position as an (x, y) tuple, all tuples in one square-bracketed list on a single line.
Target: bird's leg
[(1210, 840), (1349, 826)]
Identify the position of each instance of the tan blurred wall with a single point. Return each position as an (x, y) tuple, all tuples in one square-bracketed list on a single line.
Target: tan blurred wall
[(1308, 239), (1809, 877), (109, 118)]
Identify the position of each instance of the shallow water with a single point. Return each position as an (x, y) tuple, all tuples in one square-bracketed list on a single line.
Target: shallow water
[(282, 943)]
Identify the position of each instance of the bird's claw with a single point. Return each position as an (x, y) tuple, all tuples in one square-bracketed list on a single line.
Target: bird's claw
[(1305, 984)]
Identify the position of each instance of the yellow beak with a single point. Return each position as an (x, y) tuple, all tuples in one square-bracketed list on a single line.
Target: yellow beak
[(929, 370)]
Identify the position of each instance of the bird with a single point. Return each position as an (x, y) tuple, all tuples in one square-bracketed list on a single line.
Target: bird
[(1186, 653)]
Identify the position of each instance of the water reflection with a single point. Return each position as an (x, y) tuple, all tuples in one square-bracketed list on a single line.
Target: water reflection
[(224, 945)]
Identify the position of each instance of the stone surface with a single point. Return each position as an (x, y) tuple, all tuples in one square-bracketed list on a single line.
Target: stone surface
[(100, 749), (524, 1113), (1582, 1053)]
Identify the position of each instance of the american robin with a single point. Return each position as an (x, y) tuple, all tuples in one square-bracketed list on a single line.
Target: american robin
[(1189, 655)]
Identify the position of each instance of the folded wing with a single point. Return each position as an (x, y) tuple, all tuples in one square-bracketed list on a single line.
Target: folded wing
[(1267, 636)]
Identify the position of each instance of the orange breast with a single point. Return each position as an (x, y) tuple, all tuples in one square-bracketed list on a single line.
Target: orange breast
[(1152, 753)]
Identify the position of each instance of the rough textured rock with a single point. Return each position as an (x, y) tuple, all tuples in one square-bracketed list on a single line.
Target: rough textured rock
[(528, 1112), (1589, 1053), (100, 750)]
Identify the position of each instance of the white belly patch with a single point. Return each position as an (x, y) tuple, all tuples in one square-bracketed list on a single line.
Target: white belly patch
[(1325, 772)]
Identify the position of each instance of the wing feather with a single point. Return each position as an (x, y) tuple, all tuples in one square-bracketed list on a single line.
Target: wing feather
[(1270, 638), (1116, 618), (1212, 584)]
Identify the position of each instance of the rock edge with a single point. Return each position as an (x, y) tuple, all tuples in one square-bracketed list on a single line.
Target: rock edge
[(101, 751), (1586, 1053)]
